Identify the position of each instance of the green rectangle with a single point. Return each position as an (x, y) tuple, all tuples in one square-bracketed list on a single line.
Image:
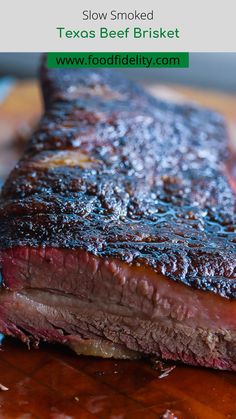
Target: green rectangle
[(118, 59)]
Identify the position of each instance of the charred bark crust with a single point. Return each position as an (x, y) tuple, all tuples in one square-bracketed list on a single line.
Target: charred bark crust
[(119, 173)]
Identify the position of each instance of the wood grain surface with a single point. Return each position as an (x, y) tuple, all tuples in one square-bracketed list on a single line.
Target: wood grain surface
[(52, 382)]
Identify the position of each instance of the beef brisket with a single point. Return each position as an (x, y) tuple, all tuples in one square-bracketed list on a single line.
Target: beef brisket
[(117, 227)]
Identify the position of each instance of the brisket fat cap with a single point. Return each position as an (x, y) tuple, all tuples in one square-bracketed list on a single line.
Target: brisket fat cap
[(118, 173)]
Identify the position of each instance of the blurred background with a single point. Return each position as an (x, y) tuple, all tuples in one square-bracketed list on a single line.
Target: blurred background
[(207, 70), (209, 81)]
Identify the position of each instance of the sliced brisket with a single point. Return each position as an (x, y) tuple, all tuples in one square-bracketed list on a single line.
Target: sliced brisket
[(117, 228)]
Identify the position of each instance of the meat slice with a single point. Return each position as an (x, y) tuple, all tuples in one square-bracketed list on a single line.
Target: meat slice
[(117, 228)]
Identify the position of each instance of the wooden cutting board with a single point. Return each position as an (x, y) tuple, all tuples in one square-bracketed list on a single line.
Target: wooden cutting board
[(52, 382)]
